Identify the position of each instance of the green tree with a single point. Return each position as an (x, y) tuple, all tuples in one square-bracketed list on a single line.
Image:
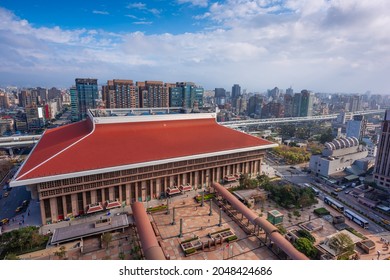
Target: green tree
[(327, 136), (342, 244), (306, 247)]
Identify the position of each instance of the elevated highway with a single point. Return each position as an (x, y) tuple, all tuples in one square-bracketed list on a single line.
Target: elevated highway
[(243, 123), (18, 141)]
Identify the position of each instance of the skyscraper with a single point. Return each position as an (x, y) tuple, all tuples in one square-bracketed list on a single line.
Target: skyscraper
[(306, 106), (382, 165), (83, 97), (236, 93), (302, 104)]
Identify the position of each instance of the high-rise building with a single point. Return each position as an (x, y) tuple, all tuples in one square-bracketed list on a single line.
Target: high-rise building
[(220, 97), (356, 127), (274, 93), (153, 94), (302, 104), (272, 110), (236, 93), (288, 103), (25, 98), (4, 101), (53, 93), (296, 104), (354, 103), (382, 165), (120, 94), (306, 104), (84, 96), (255, 105), (186, 95)]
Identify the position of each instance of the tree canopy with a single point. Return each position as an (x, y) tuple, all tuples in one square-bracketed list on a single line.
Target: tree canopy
[(306, 247)]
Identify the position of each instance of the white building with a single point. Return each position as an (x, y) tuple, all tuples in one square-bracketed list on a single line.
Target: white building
[(337, 156)]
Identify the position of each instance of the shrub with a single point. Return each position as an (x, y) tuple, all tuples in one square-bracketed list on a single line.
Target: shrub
[(321, 211), (231, 238), (305, 234), (190, 251)]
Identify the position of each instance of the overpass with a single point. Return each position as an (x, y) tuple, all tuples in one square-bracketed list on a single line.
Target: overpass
[(235, 124), (19, 141)]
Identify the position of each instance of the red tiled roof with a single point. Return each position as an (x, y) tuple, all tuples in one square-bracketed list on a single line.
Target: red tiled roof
[(77, 147)]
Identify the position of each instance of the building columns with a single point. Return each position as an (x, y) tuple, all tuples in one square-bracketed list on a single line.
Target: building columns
[(93, 196), (128, 194), (64, 206), (75, 205), (43, 213), (53, 209), (120, 194), (111, 194)]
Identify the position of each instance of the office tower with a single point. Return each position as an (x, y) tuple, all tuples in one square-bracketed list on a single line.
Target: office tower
[(356, 127), (354, 103), (382, 165), (74, 104), (83, 97), (296, 104), (220, 97), (288, 103), (176, 97), (306, 104), (186, 95), (120, 94), (255, 105), (302, 104), (236, 93)]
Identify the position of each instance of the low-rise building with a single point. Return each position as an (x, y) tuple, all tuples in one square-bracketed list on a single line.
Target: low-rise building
[(337, 156)]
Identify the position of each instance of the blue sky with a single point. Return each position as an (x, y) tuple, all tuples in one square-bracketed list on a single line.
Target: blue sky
[(322, 45)]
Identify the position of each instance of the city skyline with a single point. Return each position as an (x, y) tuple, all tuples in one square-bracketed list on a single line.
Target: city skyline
[(324, 46)]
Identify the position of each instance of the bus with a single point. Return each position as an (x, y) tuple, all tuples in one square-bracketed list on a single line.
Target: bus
[(336, 205), (316, 192), (356, 218)]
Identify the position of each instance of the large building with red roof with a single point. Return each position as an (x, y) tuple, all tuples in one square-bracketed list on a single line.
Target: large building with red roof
[(109, 161)]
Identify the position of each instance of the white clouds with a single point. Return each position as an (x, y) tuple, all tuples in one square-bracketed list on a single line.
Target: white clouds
[(322, 45), (200, 3), (100, 12), (143, 7), (139, 5)]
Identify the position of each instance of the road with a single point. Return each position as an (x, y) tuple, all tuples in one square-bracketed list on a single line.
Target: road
[(297, 177)]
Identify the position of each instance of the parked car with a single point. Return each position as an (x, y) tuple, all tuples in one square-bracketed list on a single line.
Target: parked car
[(19, 209), (6, 194), (4, 221)]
